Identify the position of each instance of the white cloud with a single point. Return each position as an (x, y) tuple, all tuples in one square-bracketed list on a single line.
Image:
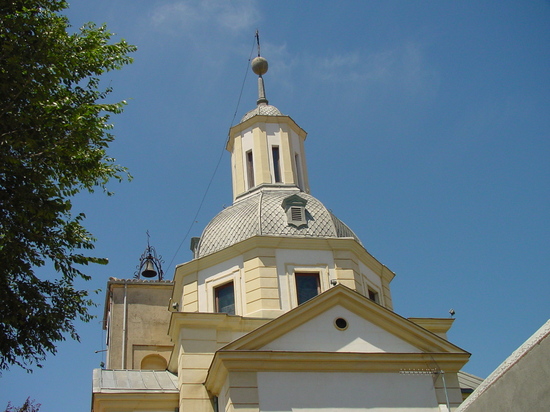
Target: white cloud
[(402, 71), (280, 59), (402, 67), (208, 16)]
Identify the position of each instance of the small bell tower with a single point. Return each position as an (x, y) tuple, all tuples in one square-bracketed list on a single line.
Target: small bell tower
[(150, 264)]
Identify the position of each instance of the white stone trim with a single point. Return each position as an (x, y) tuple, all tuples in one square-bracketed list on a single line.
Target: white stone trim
[(291, 269), (514, 358), (367, 284), (230, 275)]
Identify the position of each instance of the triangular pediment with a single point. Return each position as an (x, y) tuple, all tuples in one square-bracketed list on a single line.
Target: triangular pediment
[(313, 337), (364, 326), (340, 330)]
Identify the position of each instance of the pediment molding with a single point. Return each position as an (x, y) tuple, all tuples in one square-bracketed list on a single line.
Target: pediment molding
[(386, 319), (226, 361)]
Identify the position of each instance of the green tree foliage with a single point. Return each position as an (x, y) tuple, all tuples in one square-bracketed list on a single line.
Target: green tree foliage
[(28, 406), (54, 132)]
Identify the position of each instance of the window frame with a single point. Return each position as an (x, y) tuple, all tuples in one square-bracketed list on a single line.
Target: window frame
[(288, 287), (211, 283), (249, 159), (276, 163), (298, 275), (217, 290), (375, 295), (369, 287)]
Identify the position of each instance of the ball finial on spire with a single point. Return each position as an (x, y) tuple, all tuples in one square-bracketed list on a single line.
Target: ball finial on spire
[(259, 66)]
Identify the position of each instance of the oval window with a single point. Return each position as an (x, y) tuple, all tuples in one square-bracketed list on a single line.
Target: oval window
[(341, 324)]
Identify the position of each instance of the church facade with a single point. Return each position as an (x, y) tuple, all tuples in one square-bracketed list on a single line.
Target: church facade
[(281, 308)]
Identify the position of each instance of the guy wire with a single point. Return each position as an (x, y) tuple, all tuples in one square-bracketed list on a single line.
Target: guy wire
[(194, 220)]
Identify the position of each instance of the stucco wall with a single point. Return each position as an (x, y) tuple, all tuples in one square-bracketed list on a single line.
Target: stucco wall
[(521, 383), (144, 329), (264, 275), (349, 392), (322, 335)]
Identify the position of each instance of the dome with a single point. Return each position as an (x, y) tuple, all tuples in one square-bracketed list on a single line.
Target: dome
[(262, 213), (263, 110)]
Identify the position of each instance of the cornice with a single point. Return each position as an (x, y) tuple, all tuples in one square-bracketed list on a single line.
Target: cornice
[(115, 282), (285, 242), (241, 127), (404, 329), (217, 321), (148, 400), (278, 361), (435, 325)]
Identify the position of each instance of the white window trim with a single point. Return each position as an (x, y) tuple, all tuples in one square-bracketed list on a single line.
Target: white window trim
[(247, 144), (367, 284), (231, 275), (272, 163), (291, 269), (250, 169)]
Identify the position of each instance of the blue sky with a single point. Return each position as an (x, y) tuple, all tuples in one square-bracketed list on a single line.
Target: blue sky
[(428, 134)]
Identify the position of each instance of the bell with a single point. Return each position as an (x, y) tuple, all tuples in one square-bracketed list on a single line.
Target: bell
[(149, 271)]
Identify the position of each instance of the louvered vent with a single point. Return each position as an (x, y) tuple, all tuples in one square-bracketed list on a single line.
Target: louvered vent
[(295, 208), (297, 213)]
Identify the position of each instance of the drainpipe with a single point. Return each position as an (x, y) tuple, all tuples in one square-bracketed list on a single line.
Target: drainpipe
[(108, 341), (442, 373), (124, 325)]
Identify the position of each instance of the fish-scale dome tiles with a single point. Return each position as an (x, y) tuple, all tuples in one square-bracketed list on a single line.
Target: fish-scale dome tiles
[(262, 213)]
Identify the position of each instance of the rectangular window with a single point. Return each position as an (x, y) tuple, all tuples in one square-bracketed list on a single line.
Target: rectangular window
[(276, 164), (373, 295), (307, 286), (250, 169), (225, 299)]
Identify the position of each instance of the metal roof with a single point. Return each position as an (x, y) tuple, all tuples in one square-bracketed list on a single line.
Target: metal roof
[(467, 381), (121, 380)]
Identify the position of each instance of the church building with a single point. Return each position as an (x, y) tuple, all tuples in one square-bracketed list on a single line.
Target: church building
[(281, 308)]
